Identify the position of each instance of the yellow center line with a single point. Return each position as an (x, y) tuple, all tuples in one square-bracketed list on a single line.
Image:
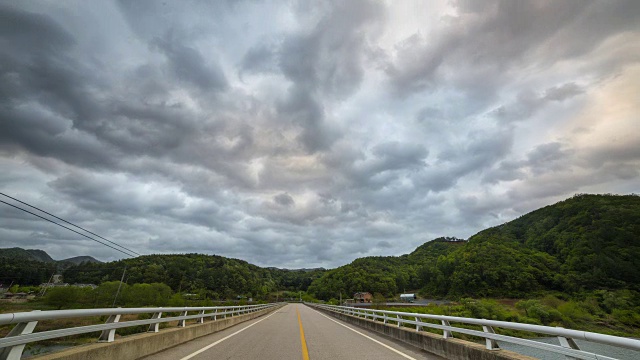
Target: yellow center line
[(305, 352)]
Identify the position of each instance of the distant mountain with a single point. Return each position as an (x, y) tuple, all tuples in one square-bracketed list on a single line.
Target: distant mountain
[(33, 267), (42, 256), (585, 243), (28, 254), (81, 259)]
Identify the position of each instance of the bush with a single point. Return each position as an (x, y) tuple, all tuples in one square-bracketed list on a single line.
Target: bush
[(575, 312), (627, 317)]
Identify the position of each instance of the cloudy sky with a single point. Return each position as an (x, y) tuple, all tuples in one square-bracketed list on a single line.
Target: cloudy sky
[(303, 133)]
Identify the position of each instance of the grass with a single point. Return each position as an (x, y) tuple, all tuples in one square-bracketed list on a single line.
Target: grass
[(587, 314)]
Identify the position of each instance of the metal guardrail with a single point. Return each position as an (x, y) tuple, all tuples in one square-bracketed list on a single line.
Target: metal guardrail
[(13, 344), (566, 337)]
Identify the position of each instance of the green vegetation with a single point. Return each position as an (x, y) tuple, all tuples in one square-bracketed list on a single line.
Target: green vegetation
[(573, 250), (585, 243), (25, 272), (387, 275), (611, 312), (214, 277)]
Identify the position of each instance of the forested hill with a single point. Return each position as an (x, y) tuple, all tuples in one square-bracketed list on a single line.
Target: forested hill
[(586, 242), (26, 254), (31, 266), (215, 276), (386, 275)]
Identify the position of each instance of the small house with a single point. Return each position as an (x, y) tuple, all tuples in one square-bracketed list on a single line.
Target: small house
[(362, 297)]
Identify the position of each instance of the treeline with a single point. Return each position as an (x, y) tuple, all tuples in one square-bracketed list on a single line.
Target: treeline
[(587, 242), (584, 243), (215, 277), (384, 275), (25, 272)]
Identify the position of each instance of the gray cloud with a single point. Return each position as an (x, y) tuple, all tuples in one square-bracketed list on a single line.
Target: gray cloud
[(284, 199), (298, 134), (189, 65)]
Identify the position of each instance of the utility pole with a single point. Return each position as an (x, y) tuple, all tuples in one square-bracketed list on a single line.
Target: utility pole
[(119, 286), (44, 290)]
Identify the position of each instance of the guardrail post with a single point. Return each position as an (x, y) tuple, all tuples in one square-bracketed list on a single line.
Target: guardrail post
[(155, 327), (215, 315), (182, 322), (384, 318), (15, 352), (418, 327), (491, 344), (568, 343), (398, 316), (446, 333), (201, 318), (109, 335)]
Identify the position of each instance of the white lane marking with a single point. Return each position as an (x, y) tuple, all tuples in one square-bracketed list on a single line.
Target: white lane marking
[(368, 337), (223, 339)]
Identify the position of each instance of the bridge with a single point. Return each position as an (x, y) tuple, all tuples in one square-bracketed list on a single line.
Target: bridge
[(291, 331)]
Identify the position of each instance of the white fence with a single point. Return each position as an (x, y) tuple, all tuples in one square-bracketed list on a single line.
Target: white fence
[(13, 344), (566, 337)]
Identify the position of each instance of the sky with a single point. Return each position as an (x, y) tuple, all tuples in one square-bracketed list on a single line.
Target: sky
[(306, 134)]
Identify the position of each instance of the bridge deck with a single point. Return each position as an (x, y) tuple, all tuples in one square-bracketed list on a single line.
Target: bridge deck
[(278, 336)]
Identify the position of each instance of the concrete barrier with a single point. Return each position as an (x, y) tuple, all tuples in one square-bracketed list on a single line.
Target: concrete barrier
[(453, 349), (140, 345)]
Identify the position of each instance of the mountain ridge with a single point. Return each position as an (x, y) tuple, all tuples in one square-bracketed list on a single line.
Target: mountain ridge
[(42, 256), (582, 243)]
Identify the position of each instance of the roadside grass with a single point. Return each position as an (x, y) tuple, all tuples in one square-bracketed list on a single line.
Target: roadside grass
[(586, 315)]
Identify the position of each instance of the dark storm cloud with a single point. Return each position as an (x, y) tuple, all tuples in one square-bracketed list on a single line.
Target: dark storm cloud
[(189, 65), (284, 199), (265, 130), (528, 103), (45, 91), (260, 59), (330, 57), (303, 109), (25, 32), (325, 61)]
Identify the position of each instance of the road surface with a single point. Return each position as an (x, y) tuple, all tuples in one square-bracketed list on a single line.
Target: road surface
[(293, 332)]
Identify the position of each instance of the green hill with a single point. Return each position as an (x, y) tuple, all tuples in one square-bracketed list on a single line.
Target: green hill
[(26, 254), (217, 276), (584, 243), (80, 259), (387, 275)]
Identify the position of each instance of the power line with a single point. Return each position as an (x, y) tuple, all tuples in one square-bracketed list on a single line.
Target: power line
[(68, 228), (72, 224)]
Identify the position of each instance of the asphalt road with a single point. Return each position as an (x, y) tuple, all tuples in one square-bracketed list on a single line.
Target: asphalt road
[(293, 332)]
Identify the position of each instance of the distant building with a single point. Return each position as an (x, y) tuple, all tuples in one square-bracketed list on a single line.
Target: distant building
[(49, 285), (362, 297), (408, 297)]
